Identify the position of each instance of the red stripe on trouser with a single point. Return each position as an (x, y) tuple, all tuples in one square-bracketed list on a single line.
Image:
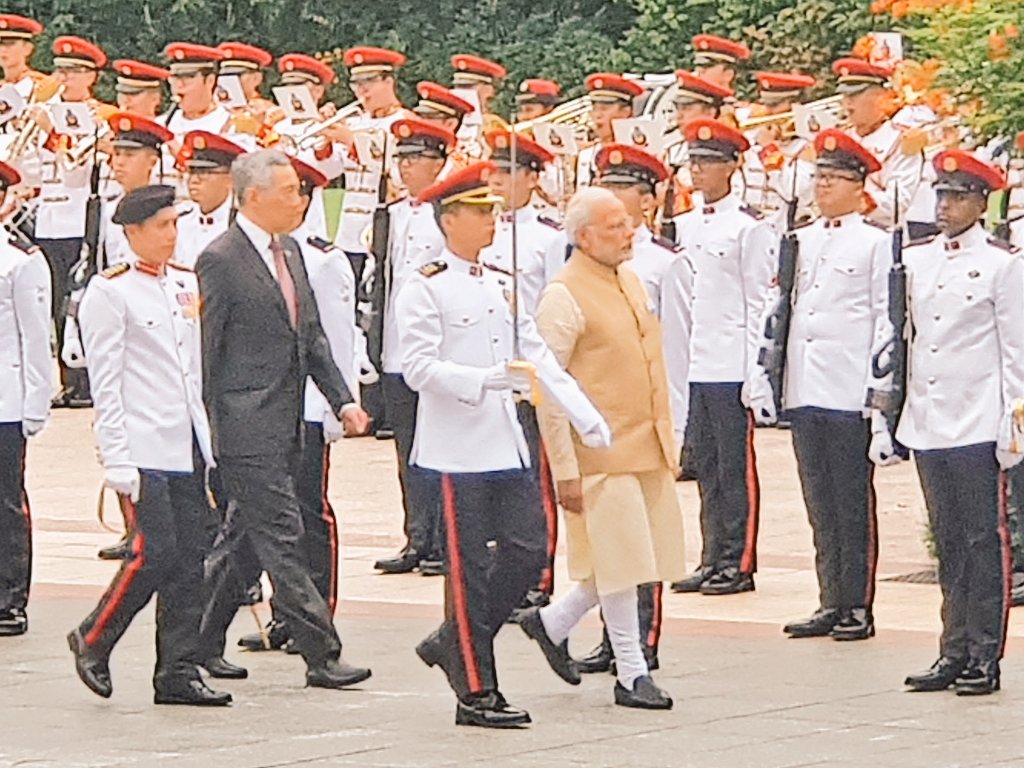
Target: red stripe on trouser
[(126, 576), (654, 634), (456, 580), (327, 514), (547, 497), (748, 562), (1004, 540), (26, 511), (872, 543)]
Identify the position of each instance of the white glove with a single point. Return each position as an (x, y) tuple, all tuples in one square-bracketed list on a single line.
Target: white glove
[(123, 480), (501, 377), (333, 429), (598, 436), (1008, 459), (756, 394), (32, 427), (881, 451), (71, 351), (367, 373)]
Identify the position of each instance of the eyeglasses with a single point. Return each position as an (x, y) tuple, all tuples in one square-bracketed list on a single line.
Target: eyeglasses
[(832, 178), (362, 82)]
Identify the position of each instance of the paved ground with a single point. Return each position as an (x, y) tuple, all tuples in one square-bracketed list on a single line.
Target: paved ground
[(745, 696)]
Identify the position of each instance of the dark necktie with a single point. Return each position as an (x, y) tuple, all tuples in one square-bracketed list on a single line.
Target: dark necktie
[(284, 280)]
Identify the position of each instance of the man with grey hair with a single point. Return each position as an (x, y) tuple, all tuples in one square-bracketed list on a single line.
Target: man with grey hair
[(261, 338)]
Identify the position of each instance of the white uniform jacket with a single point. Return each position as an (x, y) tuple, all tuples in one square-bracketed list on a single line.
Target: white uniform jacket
[(196, 230), (534, 235), (455, 321), (734, 258), (26, 380), (142, 338), (967, 349)]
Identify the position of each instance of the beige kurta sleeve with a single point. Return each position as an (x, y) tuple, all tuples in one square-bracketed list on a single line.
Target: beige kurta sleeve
[(560, 322)]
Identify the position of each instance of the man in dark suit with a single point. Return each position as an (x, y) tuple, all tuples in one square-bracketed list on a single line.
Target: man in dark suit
[(261, 338)]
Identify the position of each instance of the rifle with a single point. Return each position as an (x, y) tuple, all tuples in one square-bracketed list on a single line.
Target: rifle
[(668, 226), (380, 288), (1002, 228), (890, 402), (772, 357)]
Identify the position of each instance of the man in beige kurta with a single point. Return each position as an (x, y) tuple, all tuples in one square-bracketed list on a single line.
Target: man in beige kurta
[(623, 522)]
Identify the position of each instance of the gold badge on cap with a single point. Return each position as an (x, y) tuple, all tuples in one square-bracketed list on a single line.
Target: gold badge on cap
[(830, 143), (524, 87), (703, 45), (199, 142), (126, 70), (599, 83), (949, 164), (404, 131), (67, 48), (501, 142), (461, 64), (228, 52), (3, 23), (704, 133), (485, 174), (358, 58), (125, 124), (615, 157)]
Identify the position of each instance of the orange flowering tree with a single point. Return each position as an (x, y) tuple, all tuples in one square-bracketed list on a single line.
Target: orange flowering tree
[(978, 48)]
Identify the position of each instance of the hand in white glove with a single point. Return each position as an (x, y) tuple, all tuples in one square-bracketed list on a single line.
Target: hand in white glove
[(598, 436), (756, 394), (881, 450), (1008, 459), (123, 480), (32, 427), (367, 373), (71, 351), (333, 430), (501, 377)]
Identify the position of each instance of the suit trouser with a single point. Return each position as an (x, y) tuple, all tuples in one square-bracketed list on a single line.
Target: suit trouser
[(966, 498), (263, 532), (421, 490), (838, 486), (165, 543), (483, 587), (720, 433), (319, 523), (62, 254), (541, 470), (15, 521)]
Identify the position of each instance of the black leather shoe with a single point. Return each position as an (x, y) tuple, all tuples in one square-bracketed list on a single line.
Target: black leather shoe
[(942, 674), (854, 624), (79, 401), (490, 710), (119, 551), (979, 679), (60, 400), (597, 661), (13, 623), (819, 624), (190, 692), (728, 582), (693, 582), (92, 670), (431, 566), (434, 652), (222, 669), (557, 655), (405, 561), (1017, 594), (335, 674), (385, 433), (645, 695), (276, 637)]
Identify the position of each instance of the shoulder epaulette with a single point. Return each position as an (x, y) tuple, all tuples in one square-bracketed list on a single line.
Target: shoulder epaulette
[(666, 243), (1003, 245), (549, 222), (433, 268), (321, 244), (178, 266), (803, 224), (496, 268), (114, 271), (876, 224), (921, 241), (752, 212), (22, 246)]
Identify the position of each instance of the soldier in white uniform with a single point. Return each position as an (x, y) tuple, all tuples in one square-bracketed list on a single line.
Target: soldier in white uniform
[(139, 87), (964, 417), (414, 240), (206, 159), (611, 98), (865, 99), (442, 107), (25, 390), (142, 337), (456, 324), (839, 307), (733, 255), (17, 35)]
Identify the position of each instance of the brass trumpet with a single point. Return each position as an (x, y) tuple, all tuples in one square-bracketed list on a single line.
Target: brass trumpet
[(45, 88), (830, 104), (309, 138), (575, 112)]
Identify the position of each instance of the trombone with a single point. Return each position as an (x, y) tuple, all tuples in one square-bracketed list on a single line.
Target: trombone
[(785, 120), (575, 112), (309, 138)]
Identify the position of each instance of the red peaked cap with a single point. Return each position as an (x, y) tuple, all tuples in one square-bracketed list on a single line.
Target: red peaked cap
[(242, 56), (308, 174), (696, 90), (609, 88), (69, 50), (468, 186), (536, 91), (202, 150), (960, 171), (711, 49), (9, 176), (13, 27), (714, 140), (435, 99), (133, 131), (298, 67), (529, 154), (836, 149), (418, 137), (855, 75), (470, 70), (623, 164)]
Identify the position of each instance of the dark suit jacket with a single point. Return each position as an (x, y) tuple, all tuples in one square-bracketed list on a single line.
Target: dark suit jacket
[(254, 363)]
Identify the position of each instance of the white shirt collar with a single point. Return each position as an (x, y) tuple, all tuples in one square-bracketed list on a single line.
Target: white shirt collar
[(259, 238)]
